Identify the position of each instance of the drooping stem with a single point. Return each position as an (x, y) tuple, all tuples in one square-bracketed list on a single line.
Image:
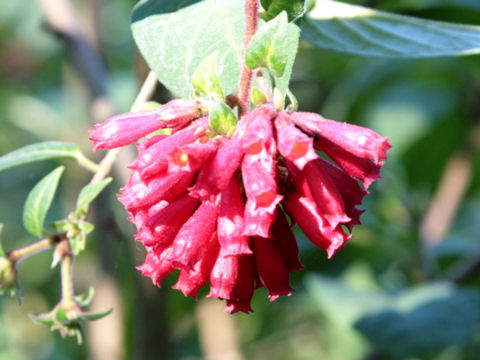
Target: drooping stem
[(251, 23), (86, 163), (18, 255)]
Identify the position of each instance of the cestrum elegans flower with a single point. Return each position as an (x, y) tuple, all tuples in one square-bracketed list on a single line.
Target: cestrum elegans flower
[(220, 207)]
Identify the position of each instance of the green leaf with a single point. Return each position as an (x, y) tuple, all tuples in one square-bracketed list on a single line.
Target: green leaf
[(174, 43), (86, 298), (362, 31), (96, 316), (205, 78), (268, 48), (448, 314), (342, 303), (294, 8), (40, 151), (89, 193), (222, 119), (42, 319), (39, 200)]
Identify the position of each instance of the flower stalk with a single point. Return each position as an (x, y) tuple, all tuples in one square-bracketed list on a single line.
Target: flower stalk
[(66, 270), (18, 255), (245, 84)]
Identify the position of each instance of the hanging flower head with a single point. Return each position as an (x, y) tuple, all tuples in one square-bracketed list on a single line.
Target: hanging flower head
[(220, 208)]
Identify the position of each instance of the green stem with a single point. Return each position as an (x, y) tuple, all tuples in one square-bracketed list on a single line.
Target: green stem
[(244, 87), (67, 278), (87, 163), (18, 255)]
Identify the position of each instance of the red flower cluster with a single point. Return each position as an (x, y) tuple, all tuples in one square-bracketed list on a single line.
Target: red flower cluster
[(217, 208)]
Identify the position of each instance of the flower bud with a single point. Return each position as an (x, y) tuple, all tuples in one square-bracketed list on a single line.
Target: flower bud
[(8, 281)]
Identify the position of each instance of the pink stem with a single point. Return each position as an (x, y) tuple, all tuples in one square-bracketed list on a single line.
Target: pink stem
[(244, 87)]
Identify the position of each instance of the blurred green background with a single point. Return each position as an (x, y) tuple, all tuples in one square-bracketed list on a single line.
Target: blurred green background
[(405, 287)]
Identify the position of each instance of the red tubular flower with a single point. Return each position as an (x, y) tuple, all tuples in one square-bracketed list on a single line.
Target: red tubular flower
[(360, 168), (293, 144), (356, 149), (361, 142), (125, 129), (285, 241), (156, 265), (223, 277), (326, 195), (192, 280), (164, 224), (215, 207), (258, 126), (138, 193), (153, 159), (304, 210), (258, 173), (217, 172), (244, 287), (271, 267), (200, 226), (230, 221)]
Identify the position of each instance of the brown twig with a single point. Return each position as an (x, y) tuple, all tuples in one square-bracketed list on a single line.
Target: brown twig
[(61, 18)]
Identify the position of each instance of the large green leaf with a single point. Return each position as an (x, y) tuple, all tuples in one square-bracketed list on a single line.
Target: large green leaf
[(363, 31), (423, 321), (41, 151), (174, 43), (38, 202)]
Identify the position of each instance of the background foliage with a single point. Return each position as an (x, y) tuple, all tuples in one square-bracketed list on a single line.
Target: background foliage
[(394, 292)]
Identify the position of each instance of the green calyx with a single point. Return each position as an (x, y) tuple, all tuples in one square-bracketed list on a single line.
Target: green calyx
[(222, 118)]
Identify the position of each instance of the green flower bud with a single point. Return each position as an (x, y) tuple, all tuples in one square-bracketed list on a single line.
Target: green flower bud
[(8, 281)]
